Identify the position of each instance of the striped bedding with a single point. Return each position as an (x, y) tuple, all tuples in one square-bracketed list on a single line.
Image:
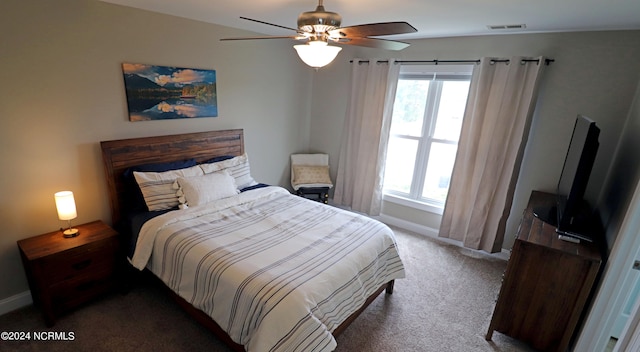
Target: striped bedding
[(277, 272)]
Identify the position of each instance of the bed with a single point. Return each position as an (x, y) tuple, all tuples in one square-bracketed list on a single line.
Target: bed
[(263, 269)]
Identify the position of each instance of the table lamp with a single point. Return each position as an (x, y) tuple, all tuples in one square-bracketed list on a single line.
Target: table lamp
[(66, 206)]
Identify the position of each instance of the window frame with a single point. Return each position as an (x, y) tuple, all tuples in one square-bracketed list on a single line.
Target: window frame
[(425, 141)]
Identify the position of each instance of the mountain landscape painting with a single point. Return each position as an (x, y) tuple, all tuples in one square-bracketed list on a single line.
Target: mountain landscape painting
[(161, 92)]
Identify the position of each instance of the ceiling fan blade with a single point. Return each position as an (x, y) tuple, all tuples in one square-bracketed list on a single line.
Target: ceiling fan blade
[(373, 29), (374, 43), (265, 37), (269, 24)]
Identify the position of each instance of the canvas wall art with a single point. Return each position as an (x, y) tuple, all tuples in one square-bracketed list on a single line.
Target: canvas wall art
[(161, 92)]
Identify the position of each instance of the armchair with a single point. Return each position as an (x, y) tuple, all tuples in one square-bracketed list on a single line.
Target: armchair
[(310, 176)]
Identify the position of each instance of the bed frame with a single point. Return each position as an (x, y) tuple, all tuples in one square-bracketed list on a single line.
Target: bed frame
[(118, 155)]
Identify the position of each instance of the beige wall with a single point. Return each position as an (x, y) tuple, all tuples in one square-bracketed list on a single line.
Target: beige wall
[(595, 73), (62, 93)]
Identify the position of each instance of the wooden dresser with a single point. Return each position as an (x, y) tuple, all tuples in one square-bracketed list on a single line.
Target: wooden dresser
[(546, 284), (66, 272)]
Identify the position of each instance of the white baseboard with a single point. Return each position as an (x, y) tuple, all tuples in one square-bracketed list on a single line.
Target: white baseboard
[(15, 302), (431, 233), (407, 225)]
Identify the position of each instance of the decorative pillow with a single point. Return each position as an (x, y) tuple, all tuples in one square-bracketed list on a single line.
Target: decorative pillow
[(238, 167), (134, 198), (311, 174), (157, 187), (206, 188)]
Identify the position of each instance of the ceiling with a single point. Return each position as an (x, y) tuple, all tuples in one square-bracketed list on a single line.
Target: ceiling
[(432, 18)]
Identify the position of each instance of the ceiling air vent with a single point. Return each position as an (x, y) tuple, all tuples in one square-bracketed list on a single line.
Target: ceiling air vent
[(507, 26)]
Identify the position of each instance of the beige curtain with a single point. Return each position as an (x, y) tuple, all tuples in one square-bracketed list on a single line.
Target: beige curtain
[(494, 132), (365, 135)]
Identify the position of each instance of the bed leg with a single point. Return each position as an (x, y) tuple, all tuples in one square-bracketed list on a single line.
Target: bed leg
[(389, 289)]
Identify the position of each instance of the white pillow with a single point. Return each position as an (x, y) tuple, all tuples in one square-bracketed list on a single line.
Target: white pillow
[(237, 166), (206, 188), (157, 187)]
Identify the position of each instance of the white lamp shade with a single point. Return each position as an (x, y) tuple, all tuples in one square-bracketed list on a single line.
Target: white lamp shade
[(317, 53), (66, 205)]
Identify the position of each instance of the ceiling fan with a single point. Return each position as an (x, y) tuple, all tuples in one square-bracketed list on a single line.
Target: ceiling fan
[(319, 28)]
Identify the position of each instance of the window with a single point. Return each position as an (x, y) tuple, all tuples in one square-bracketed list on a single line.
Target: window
[(425, 127)]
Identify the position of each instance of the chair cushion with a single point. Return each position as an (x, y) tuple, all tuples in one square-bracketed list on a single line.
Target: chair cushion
[(311, 176)]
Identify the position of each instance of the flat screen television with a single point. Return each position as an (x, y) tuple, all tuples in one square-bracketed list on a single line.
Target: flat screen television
[(571, 213)]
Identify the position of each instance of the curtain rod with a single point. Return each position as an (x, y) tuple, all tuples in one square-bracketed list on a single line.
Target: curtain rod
[(435, 62)]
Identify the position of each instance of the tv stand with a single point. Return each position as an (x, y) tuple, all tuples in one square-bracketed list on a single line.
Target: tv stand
[(546, 285)]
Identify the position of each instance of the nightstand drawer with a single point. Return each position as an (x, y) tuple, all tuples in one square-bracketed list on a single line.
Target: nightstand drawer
[(70, 293), (80, 261)]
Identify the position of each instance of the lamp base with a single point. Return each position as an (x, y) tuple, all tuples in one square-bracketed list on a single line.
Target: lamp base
[(68, 233)]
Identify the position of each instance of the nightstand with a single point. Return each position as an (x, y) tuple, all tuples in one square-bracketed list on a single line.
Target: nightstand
[(66, 272)]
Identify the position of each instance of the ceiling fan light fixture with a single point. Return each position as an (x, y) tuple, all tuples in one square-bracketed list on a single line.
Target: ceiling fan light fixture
[(317, 53), (319, 20)]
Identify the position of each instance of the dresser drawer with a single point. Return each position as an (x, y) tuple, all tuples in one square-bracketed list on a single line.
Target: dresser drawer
[(80, 261)]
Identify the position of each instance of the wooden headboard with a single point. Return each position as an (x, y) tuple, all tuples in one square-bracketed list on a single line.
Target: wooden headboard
[(120, 155)]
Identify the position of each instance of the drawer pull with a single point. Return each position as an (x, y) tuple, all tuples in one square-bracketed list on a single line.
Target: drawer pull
[(81, 265)]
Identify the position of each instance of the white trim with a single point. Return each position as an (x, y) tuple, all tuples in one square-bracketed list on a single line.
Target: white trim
[(442, 69), (411, 226), (630, 338), (610, 299), (15, 302), (433, 233), (412, 203)]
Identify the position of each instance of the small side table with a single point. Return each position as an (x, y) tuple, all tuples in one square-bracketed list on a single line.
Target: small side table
[(66, 272)]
